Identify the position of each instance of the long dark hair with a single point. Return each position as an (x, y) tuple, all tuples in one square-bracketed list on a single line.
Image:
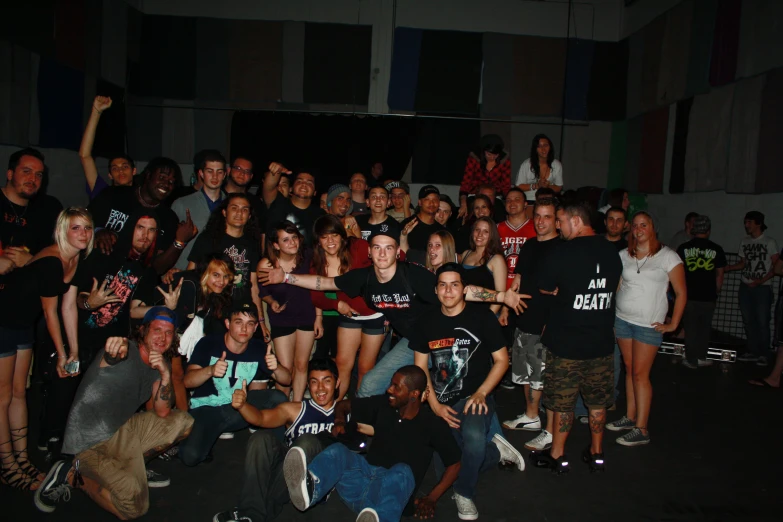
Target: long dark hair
[(216, 225), (216, 304), (493, 245), (471, 216), (323, 226), (289, 228), (534, 166)]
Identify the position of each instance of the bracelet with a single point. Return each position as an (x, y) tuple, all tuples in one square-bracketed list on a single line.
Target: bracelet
[(287, 276), (179, 245)]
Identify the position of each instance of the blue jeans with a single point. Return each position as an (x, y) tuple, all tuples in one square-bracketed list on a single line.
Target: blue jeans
[(377, 380), (581, 409), (756, 308), (361, 485), (211, 421), (478, 454)]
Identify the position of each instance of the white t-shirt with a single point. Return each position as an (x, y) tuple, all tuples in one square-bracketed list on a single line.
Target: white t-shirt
[(641, 299), (757, 254), (527, 176)]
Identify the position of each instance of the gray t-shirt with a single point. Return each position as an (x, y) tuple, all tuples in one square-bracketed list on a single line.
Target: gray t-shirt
[(107, 397)]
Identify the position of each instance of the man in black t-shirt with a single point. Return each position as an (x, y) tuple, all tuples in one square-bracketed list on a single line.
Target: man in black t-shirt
[(380, 486), (377, 202), (582, 273), (28, 218), (615, 221), (400, 291), (111, 209), (420, 227), (468, 358), (219, 365), (704, 265), (528, 354), (300, 209)]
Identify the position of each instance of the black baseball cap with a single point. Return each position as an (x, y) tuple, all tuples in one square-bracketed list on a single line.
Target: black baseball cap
[(244, 307), (385, 230), (426, 190)]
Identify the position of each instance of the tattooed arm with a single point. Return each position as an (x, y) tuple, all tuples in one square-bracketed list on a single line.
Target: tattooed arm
[(163, 393), (275, 276), (484, 295)]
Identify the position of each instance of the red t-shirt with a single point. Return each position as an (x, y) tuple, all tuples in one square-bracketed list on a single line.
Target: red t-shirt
[(512, 240)]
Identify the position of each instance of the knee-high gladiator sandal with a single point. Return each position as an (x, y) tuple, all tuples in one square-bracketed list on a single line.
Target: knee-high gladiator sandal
[(14, 476), (21, 457)]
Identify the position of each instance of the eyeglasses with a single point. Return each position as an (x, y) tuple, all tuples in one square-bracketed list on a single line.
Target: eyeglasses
[(246, 172)]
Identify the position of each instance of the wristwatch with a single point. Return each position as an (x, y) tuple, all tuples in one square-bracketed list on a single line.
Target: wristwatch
[(86, 304)]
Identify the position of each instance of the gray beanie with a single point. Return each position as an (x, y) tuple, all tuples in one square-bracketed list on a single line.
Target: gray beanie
[(334, 190)]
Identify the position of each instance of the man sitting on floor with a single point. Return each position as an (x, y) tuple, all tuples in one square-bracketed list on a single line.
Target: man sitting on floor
[(263, 492), (218, 366), (380, 486), (109, 439), (468, 356)]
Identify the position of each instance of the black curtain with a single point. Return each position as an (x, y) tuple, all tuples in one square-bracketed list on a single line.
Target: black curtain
[(334, 146), (442, 147)]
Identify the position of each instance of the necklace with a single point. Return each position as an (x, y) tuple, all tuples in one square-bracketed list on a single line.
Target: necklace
[(639, 268), (18, 220), (142, 200)]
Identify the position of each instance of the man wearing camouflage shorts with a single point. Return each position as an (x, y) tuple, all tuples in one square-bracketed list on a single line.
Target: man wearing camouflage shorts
[(528, 353), (582, 275)]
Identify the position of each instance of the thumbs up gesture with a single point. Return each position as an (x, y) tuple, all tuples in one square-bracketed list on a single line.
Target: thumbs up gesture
[(240, 396), (220, 367), (270, 359)]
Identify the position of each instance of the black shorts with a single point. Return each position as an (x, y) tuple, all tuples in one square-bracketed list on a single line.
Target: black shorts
[(369, 326), (283, 331)]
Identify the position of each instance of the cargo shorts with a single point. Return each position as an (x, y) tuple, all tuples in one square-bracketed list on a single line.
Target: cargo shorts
[(566, 378)]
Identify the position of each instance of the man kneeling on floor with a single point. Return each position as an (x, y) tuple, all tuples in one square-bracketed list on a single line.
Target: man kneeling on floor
[(469, 358), (308, 423), (218, 366), (379, 487), (109, 439)]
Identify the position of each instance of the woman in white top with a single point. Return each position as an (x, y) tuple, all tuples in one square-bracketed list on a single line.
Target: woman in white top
[(641, 303), (540, 170)]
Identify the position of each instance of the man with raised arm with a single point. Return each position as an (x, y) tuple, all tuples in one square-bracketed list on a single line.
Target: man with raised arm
[(121, 167), (300, 209), (308, 425), (110, 442), (401, 291)]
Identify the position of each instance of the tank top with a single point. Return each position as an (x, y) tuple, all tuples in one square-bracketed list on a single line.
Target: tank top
[(312, 419)]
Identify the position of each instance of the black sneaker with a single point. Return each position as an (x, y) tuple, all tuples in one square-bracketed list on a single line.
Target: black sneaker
[(170, 454), (231, 515), (595, 461), (298, 479), (46, 443), (54, 487), (157, 480), (507, 383), (543, 459)]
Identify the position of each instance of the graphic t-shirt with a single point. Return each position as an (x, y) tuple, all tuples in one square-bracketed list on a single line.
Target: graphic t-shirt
[(390, 224), (418, 239), (702, 260), (248, 365), (402, 299), (586, 271), (31, 226), (128, 279), (359, 207), (460, 350), (512, 238), (112, 208), (244, 252), (282, 209), (530, 265), (757, 254)]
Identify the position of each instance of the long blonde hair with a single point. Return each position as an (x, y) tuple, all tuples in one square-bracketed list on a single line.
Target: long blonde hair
[(449, 250), (64, 221)]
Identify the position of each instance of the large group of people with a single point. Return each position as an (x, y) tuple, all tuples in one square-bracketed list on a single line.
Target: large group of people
[(175, 316)]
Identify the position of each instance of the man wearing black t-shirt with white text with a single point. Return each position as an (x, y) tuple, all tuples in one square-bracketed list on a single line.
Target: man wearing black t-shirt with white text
[(420, 227), (400, 291), (377, 202), (582, 273), (468, 358), (380, 487), (529, 354)]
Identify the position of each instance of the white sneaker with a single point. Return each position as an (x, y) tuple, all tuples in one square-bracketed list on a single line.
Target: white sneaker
[(523, 422), (227, 435), (540, 443), (466, 509), (252, 430), (508, 453), (368, 515)]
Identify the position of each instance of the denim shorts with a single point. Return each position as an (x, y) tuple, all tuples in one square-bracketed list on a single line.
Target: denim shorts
[(643, 334), (369, 326), (12, 341)]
